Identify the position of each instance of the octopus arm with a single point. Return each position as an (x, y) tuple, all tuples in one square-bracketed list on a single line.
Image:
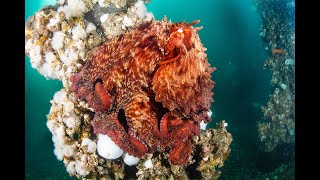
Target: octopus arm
[(180, 138), (180, 153), (141, 121), (110, 125)]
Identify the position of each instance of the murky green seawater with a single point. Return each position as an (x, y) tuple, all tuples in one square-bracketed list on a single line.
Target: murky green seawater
[(40, 162), (231, 35)]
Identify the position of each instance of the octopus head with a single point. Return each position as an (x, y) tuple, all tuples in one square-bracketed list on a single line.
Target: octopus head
[(183, 34)]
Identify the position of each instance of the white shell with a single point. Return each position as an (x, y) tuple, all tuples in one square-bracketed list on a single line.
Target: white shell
[(104, 17), (289, 62), (148, 164), (107, 148), (283, 86), (225, 124), (209, 113), (203, 125), (130, 160)]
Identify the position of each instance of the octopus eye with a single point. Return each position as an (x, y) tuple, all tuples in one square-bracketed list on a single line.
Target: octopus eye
[(180, 30)]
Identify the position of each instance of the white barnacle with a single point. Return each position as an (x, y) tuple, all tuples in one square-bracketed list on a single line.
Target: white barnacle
[(203, 125), (130, 160), (148, 164), (107, 148)]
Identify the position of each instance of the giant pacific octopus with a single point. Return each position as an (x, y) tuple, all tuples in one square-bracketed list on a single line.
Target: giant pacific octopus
[(149, 88)]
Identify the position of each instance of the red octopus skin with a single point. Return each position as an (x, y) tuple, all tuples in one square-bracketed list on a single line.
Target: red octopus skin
[(158, 74)]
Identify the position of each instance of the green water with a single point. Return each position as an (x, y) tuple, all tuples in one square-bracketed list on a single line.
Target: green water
[(231, 35), (40, 162)]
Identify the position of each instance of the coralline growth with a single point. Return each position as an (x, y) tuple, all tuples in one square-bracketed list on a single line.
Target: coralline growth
[(142, 85)]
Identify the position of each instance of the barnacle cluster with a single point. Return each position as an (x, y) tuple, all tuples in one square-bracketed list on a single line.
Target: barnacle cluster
[(214, 146), (151, 166), (58, 46), (74, 142), (277, 31), (58, 39)]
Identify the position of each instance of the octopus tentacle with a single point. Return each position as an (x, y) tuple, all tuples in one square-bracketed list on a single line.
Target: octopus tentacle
[(175, 43), (79, 86), (103, 96), (194, 22), (181, 132), (140, 147), (195, 128), (176, 122), (162, 133), (175, 40), (140, 120), (171, 59), (99, 99), (75, 79), (109, 124), (182, 148), (180, 152)]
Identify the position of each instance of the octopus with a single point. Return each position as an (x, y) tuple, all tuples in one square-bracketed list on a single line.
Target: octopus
[(149, 88)]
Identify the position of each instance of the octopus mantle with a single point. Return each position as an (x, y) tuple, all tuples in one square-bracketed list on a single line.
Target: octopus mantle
[(149, 88)]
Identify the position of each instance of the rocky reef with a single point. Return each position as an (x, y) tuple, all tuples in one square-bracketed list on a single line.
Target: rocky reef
[(136, 92)]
